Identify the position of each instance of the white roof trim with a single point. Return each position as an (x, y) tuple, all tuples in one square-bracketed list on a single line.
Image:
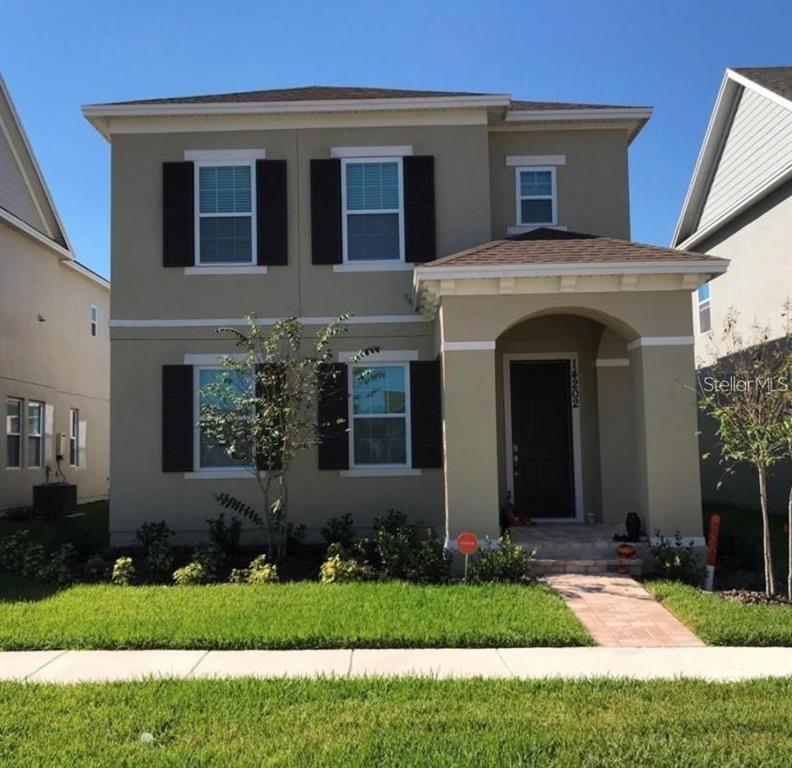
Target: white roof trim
[(561, 115), (83, 270), (45, 240), (68, 252), (295, 107), (709, 155), (581, 269)]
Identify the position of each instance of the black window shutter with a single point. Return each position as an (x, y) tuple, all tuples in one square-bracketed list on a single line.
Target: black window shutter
[(271, 213), (426, 414), (419, 209), (326, 211), (264, 462), (178, 215), (334, 419), (177, 418)]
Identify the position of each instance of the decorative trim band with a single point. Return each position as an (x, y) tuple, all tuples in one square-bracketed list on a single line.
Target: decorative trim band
[(212, 322), (401, 151), (210, 358), (251, 269), (518, 160), (612, 362), (466, 346), (661, 341), (222, 155), (385, 356)]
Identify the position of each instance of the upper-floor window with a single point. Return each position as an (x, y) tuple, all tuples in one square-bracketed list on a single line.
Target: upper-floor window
[(537, 200), (94, 319), (703, 296), (13, 432), (74, 437), (373, 209), (380, 427), (225, 225), (35, 429)]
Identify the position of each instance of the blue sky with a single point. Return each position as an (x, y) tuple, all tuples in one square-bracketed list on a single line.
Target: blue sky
[(56, 56)]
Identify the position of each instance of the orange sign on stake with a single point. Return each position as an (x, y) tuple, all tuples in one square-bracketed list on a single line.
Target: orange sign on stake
[(467, 544)]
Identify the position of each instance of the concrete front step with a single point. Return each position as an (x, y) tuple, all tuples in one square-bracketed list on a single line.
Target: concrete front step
[(546, 566)]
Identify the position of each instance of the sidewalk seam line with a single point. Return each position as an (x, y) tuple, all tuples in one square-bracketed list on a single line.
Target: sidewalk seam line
[(45, 664), (195, 666), (503, 661), (349, 668)]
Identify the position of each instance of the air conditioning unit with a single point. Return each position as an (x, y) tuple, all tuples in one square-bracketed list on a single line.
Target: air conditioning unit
[(61, 445)]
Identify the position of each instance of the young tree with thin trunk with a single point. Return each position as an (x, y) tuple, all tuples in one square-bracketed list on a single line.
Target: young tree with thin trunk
[(262, 411), (743, 392)]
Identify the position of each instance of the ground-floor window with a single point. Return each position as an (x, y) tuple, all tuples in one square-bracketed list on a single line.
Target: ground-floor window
[(210, 454), (74, 437), (13, 432), (379, 424), (35, 429)]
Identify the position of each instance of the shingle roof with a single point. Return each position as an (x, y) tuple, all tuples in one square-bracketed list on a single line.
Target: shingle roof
[(348, 93), (553, 246), (776, 79)]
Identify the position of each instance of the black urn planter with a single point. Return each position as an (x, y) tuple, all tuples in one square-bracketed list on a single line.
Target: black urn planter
[(633, 525), (54, 500)]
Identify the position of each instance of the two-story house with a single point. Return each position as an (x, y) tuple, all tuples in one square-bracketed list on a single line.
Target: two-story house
[(527, 347), (54, 339), (739, 206)]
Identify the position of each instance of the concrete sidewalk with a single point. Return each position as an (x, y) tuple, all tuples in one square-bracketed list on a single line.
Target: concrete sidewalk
[(708, 663)]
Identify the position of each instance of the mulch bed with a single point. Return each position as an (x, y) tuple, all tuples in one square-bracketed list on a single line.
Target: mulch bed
[(753, 597)]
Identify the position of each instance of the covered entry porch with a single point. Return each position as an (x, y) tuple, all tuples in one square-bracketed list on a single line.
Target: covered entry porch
[(567, 385)]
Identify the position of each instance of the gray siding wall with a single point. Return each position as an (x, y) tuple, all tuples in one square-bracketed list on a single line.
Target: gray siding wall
[(758, 147), (15, 196)]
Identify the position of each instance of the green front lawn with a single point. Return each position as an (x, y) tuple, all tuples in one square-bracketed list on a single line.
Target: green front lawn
[(291, 615), (405, 722), (719, 621)]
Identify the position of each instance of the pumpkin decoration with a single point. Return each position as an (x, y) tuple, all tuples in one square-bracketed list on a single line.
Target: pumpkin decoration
[(625, 551)]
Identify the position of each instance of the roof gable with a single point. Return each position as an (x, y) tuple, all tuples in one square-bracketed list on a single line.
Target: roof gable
[(23, 191), (746, 153)]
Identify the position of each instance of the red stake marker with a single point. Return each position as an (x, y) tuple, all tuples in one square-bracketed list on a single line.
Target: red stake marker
[(467, 544)]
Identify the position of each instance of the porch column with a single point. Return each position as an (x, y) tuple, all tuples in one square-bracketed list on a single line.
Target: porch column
[(470, 436), (666, 443)]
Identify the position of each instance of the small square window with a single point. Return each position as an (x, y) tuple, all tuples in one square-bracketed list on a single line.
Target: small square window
[(536, 197)]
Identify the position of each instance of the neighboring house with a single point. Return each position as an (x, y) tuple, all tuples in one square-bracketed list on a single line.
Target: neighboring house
[(54, 340), (518, 357), (739, 206)]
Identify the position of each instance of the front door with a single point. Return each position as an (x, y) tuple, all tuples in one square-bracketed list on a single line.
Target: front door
[(541, 423)]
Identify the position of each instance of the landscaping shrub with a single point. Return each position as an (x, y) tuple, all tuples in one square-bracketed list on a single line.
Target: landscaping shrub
[(123, 572), (258, 572), (211, 559), (192, 573), (340, 567), (431, 563), (295, 537), (12, 550), (34, 561), (62, 565), (677, 561), (339, 530), (154, 540), (98, 568), (505, 562), (225, 536)]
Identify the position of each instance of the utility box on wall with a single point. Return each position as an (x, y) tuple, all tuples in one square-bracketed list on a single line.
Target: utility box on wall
[(54, 500)]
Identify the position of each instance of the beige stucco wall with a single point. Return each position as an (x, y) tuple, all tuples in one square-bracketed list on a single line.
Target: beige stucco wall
[(593, 189), (759, 281), (54, 360)]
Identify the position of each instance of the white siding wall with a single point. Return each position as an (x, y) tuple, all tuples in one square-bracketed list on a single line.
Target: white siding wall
[(758, 146), (15, 196)]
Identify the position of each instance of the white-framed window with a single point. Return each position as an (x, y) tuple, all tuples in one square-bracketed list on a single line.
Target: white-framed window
[(94, 319), (536, 196), (372, 199), (207, 454), (74, 437), (704, 318), (225, 203), (379, 411), (13, 433), (35, 430)]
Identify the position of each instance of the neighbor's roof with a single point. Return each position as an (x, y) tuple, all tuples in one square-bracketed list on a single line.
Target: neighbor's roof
[(553, 246), (776, 79)]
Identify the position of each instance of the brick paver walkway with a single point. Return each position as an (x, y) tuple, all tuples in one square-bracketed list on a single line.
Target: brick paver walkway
[(618, 611)]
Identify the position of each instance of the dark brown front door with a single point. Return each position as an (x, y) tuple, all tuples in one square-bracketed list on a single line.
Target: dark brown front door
[(541, 421)]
